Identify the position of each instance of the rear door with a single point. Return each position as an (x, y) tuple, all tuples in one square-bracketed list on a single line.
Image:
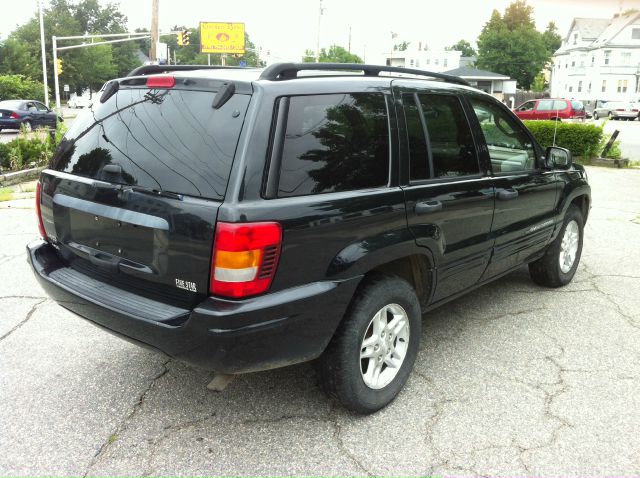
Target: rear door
[(133, 190), (525, 192), (545, 110), (37, 118), (48, 117), (449, 196)]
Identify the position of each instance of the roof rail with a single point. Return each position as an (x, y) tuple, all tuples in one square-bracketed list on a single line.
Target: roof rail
[(288, 71), (154, 69)]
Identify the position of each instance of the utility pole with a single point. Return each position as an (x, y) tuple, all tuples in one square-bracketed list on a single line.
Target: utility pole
[(54, 40), (318, 39), (349, 49), (44, 57), (153, 54)]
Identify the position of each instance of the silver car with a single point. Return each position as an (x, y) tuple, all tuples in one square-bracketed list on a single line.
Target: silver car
[(617, 110)]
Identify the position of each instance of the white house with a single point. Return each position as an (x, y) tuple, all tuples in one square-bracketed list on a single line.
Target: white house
[(599, 59), (417, 56), (500, 86)]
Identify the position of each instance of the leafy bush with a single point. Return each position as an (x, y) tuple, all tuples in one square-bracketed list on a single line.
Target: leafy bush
[(18, 87), (29, 150), (581, 139), (4, 156)]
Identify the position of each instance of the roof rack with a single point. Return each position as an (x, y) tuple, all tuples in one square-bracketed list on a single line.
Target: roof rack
[(288, 71), (154, 69)]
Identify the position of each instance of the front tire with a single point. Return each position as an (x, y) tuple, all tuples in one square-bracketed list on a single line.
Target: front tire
[(595, 116), (560, 262), (371, 355)]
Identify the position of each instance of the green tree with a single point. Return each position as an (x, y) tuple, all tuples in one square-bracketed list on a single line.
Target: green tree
[(83, 67), (336, 54), (19, 87), (511, 45), (465, 47), (539, 84), (402, 46), (552, 38)]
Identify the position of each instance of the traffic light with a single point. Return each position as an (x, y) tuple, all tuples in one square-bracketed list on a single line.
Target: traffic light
[(59, 66), (183, 37)]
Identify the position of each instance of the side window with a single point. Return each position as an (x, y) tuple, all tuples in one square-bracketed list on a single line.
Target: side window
[(452, 147), (545, 105), (333, 143), (510, 148), (559, 105), (41, 107), (31, 107), (418, 157)]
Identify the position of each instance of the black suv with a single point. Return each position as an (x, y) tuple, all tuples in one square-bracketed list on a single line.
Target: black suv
[(243, 219)]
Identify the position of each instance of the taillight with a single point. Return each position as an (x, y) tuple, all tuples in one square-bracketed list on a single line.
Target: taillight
[(14, 115), (43, 233), (245, 257), (635, 110), (161, 81)]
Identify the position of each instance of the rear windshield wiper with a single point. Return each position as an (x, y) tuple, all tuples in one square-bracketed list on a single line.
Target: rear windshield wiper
[(154, 192)]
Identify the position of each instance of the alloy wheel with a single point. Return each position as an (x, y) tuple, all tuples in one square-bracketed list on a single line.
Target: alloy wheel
[(384, 346), (569, 246)]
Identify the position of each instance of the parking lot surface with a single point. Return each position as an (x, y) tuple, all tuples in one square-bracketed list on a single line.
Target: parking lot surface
[(510, 379)]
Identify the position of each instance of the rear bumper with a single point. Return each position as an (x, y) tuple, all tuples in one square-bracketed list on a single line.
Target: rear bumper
[(10, 123), (270, 331)]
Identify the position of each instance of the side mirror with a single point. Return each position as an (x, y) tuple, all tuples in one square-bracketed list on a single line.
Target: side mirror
[(558, 158)]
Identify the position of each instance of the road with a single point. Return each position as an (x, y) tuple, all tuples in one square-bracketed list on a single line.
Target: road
[(512, 379)]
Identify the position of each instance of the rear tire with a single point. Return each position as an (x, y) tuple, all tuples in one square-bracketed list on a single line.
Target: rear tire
[(595, 115), (357, 368), (560, 262), (27, 126)]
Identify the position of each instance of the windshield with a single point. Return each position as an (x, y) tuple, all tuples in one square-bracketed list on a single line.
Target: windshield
[(166, 140)]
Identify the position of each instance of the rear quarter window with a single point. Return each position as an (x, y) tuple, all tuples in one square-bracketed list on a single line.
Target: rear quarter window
[(335, 142)]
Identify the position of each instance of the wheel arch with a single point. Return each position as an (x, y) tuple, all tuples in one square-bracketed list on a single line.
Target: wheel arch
[(392, 253)]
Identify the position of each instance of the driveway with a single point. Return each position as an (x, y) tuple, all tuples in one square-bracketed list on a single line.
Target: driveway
[(512, 379)]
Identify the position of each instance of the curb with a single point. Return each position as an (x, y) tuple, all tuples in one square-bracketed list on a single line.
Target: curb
[(10, 179)]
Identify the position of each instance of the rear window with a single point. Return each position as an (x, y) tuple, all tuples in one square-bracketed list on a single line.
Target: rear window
[(169, 140), (10, 105), (336, 142)]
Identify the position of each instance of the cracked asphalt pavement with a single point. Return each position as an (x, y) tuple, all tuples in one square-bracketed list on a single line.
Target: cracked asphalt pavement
[(512, 379)]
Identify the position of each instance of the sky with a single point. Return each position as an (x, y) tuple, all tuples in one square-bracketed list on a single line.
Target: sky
[(286, 28)]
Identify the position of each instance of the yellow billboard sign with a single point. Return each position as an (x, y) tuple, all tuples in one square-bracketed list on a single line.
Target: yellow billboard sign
[(220, 37)]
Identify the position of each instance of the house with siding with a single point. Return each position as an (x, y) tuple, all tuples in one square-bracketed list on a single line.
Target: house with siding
[(599, 59)]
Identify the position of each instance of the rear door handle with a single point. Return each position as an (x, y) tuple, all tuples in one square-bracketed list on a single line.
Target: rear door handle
[(506, 194), (425, 207)]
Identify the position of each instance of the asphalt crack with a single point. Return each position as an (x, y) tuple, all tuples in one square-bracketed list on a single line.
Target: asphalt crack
[(122, 426), (33, 309)]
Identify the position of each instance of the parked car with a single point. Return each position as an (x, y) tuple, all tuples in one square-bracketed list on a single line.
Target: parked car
[(27, 114), (243, 219), (551, 109), (617, 110), (76, 101)]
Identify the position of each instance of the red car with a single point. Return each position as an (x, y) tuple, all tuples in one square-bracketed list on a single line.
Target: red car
[(551, 109)]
